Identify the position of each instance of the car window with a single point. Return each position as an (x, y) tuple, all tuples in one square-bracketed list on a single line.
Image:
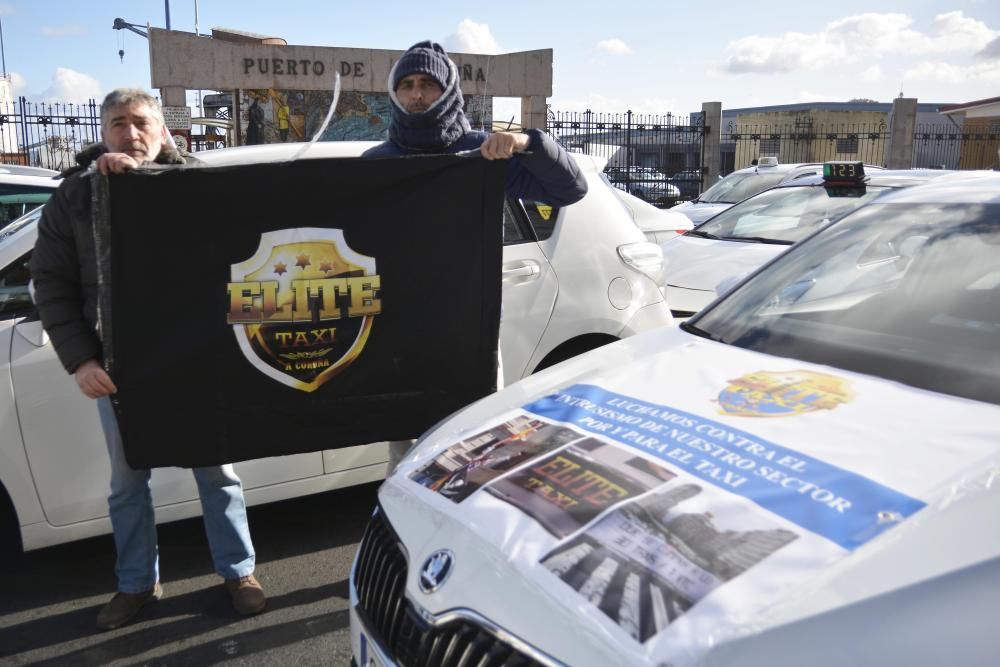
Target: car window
[(737, 187), (16, 226), (542, 218), (910, 292), (513, 231), (15, 299), (16, 200), (787, 214)]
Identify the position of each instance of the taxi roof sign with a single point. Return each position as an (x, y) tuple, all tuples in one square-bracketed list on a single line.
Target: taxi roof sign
[(843, 171)]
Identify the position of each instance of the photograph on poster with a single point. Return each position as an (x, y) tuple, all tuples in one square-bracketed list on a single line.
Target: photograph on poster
[(650, 560), (463, 468), (569, 488)]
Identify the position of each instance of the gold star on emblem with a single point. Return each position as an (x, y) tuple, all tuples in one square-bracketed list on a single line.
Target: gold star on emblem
[(302, 261), (280, 268), (326, 267)]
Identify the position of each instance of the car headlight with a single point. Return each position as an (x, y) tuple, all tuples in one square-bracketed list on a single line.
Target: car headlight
[(644, 257)]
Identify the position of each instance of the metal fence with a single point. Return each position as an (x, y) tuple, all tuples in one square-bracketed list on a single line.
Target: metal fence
[(46, 135), (944, 146), (655, 157), (741, 144)]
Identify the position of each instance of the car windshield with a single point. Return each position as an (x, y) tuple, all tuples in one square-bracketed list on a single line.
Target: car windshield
[(786, 215), (737, 187), (909, 292)]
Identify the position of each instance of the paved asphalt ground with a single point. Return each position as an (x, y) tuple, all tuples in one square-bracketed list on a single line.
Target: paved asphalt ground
[(304, 551)]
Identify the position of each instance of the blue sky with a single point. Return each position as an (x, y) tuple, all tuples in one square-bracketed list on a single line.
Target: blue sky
[(650, 57)]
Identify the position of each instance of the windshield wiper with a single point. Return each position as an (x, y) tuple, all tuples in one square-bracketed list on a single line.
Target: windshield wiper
[(701, 234), (757, 239), (701, 333)]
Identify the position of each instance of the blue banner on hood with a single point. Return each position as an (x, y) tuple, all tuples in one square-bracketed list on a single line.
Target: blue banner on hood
[(844, 507)]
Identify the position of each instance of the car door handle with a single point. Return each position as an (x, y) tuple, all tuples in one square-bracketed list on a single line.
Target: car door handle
[(521, 273)]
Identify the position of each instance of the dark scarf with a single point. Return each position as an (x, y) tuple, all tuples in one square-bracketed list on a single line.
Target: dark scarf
[(168, 155), (432, 130)]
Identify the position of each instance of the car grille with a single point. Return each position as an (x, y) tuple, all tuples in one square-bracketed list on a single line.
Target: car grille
[(380, 579)]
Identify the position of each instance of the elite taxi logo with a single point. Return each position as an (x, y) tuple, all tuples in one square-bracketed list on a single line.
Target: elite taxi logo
[(303, 305)]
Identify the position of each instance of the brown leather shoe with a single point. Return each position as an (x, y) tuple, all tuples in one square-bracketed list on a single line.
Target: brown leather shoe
[(247, 594), (123, 607)]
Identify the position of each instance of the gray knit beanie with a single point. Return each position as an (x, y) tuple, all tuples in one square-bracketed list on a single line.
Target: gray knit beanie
[(426, 57)]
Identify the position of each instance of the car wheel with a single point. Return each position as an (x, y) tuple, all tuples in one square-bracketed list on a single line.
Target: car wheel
[(10, 533), (572, 348)]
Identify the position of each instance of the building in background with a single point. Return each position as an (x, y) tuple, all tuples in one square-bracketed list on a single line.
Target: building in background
[(980, 125), (278, 92)]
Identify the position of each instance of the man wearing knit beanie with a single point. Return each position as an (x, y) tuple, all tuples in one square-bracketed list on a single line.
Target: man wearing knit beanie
[(427, 117)]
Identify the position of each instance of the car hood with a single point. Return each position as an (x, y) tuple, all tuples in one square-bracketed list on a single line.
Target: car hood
[(671, 500), (701, 264), (698, 212)]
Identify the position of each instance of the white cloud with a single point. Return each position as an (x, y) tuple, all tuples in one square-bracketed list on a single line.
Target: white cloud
[(873, 73), (991, 50), (472, 37), (615, 47), (68, 30), (856, 39), (954, 74), (18, 83), (69, 86)]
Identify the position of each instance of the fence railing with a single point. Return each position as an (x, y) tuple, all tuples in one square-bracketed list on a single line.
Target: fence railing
[(46, 135), (658, 157), (654, 157), (740, 144), (947, 146)]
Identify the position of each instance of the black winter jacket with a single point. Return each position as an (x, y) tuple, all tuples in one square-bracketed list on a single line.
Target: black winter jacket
[(547, 173), (64, 263)]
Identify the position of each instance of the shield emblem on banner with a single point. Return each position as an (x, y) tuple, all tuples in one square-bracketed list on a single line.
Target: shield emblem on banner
[(302, 306)]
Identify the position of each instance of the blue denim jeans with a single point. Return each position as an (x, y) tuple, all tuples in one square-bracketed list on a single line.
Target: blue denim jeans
[(133, 522)]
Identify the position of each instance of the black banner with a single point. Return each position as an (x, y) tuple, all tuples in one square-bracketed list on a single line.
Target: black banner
[(272, 309)]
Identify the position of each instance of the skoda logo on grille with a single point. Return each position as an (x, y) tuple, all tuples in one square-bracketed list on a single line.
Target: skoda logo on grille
[(436, 570)]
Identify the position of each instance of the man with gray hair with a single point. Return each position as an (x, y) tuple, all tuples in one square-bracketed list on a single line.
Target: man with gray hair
[(64, 273)]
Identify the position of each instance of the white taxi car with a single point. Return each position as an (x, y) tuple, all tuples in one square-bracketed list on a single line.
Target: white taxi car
[(743, 183), (749, 234), (573, 279), (803, 474), (658, 224)]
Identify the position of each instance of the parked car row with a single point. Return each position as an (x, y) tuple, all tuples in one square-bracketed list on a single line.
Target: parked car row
[(809, 457), (745, 236)]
